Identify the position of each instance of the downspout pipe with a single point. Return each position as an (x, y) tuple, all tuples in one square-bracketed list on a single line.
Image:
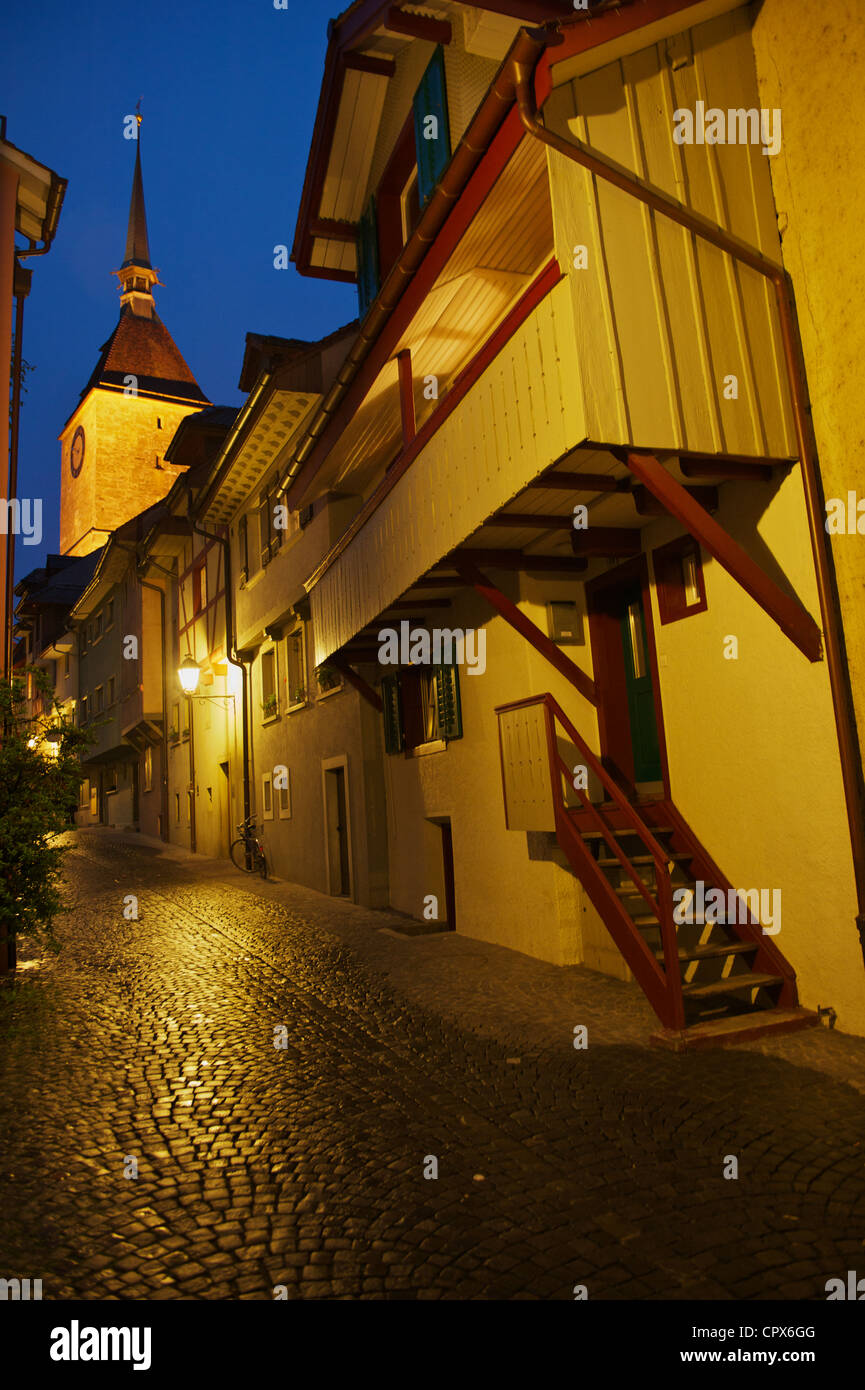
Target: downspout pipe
[(830, 611), (231, 653)]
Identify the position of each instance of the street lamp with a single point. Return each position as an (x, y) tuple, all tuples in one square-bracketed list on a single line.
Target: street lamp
[(189, 674)]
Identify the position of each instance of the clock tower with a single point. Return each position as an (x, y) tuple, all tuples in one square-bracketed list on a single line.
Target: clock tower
[(113, 444)]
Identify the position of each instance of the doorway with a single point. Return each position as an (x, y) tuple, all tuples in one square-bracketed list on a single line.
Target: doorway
[(336, 819), (630, 716)]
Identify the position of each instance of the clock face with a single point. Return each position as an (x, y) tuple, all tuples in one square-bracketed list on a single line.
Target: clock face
[(76, 453)]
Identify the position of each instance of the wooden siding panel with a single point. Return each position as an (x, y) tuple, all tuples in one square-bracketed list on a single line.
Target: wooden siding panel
[(506, 431), (663, 317), (528, 787)]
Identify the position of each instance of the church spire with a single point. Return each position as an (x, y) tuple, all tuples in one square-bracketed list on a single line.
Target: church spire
[(137, 276)]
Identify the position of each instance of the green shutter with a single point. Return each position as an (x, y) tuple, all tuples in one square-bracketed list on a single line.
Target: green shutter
[(367, 258), (394, 737), (433, 155), (448, 702)]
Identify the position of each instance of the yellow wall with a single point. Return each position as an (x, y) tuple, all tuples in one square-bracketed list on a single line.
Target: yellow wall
[(754, 763), (812, 68)]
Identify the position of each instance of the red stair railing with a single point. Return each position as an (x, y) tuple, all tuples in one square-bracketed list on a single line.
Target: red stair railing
[(662, 987)]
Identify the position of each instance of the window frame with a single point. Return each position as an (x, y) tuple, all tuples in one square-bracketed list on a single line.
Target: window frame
[(670, 582)]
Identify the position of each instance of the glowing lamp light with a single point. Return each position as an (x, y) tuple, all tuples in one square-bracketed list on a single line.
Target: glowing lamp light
[(189, 674)]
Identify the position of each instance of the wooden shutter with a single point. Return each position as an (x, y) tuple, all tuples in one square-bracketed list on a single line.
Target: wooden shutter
[(367, 258), (430, 99), (394, 736), (448, 702)]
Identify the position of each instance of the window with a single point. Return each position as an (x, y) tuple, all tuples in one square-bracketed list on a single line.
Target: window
[(84, 792), (110, 690), (184, 718), (199, 587), (679, 579), (283, 797), (83, 709), (269, 692), (431, 129), (295, 663), (266, 797), (99, 699), (66, 666), (97, 626), (109, 614), (175, 721), (177, 808), (159, 422), (148, 769), (421, 705)]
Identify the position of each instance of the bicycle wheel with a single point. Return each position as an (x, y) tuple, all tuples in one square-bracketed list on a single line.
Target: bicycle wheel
[(241, 857), (261, 864)]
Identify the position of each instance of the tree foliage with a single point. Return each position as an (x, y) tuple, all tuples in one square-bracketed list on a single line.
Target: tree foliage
[(40, 773)]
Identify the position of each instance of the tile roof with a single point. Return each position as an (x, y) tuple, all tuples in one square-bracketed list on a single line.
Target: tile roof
[(143, 347)]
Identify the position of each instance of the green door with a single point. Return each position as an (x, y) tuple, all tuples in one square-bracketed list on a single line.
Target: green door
[(638, 684)]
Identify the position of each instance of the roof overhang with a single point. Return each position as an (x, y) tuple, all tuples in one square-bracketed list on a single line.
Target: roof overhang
[(40, 195), (362, 47)]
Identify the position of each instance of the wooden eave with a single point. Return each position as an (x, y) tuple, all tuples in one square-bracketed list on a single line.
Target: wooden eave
[(252, 453), (489, 269)]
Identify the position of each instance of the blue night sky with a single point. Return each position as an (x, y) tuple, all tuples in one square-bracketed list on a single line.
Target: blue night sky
[(229, 91)]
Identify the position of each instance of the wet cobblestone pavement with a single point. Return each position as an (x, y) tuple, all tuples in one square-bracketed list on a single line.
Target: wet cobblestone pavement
[(153, 1040)]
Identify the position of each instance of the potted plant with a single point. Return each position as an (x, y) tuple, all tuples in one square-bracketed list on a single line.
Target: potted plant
[(328, 678), (270, 705)]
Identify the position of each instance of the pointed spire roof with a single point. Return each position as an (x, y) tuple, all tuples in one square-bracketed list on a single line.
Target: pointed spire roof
[(137, 249)]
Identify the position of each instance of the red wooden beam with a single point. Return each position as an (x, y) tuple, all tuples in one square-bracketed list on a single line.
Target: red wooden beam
[(363, 687), (515, 560), (406, 396), (793, 620), (606, 540), (709, 467), (417, 604), (365, 62), (417, 26), (649, 505), (526, 628), (334, 231), (578, 482), (536, 520)]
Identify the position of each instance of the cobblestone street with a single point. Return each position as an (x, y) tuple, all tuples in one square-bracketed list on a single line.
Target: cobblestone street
[(304, 1166)]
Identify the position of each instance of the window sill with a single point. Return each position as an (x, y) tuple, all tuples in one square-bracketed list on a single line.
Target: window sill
[(326, 694), (437, 745), (294, 709), (270, 719)]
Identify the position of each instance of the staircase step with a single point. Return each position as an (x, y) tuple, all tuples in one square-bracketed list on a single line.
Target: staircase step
[(737, 1028), (642, 859), (720, 948), (655, 829), (733, 982)]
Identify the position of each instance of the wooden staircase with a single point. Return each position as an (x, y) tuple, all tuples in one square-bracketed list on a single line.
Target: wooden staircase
[(709, 981)]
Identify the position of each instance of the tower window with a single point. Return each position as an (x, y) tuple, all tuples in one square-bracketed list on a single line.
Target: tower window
[(159, 422)]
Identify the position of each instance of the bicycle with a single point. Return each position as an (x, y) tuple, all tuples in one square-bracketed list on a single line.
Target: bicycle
[(247, 852)]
